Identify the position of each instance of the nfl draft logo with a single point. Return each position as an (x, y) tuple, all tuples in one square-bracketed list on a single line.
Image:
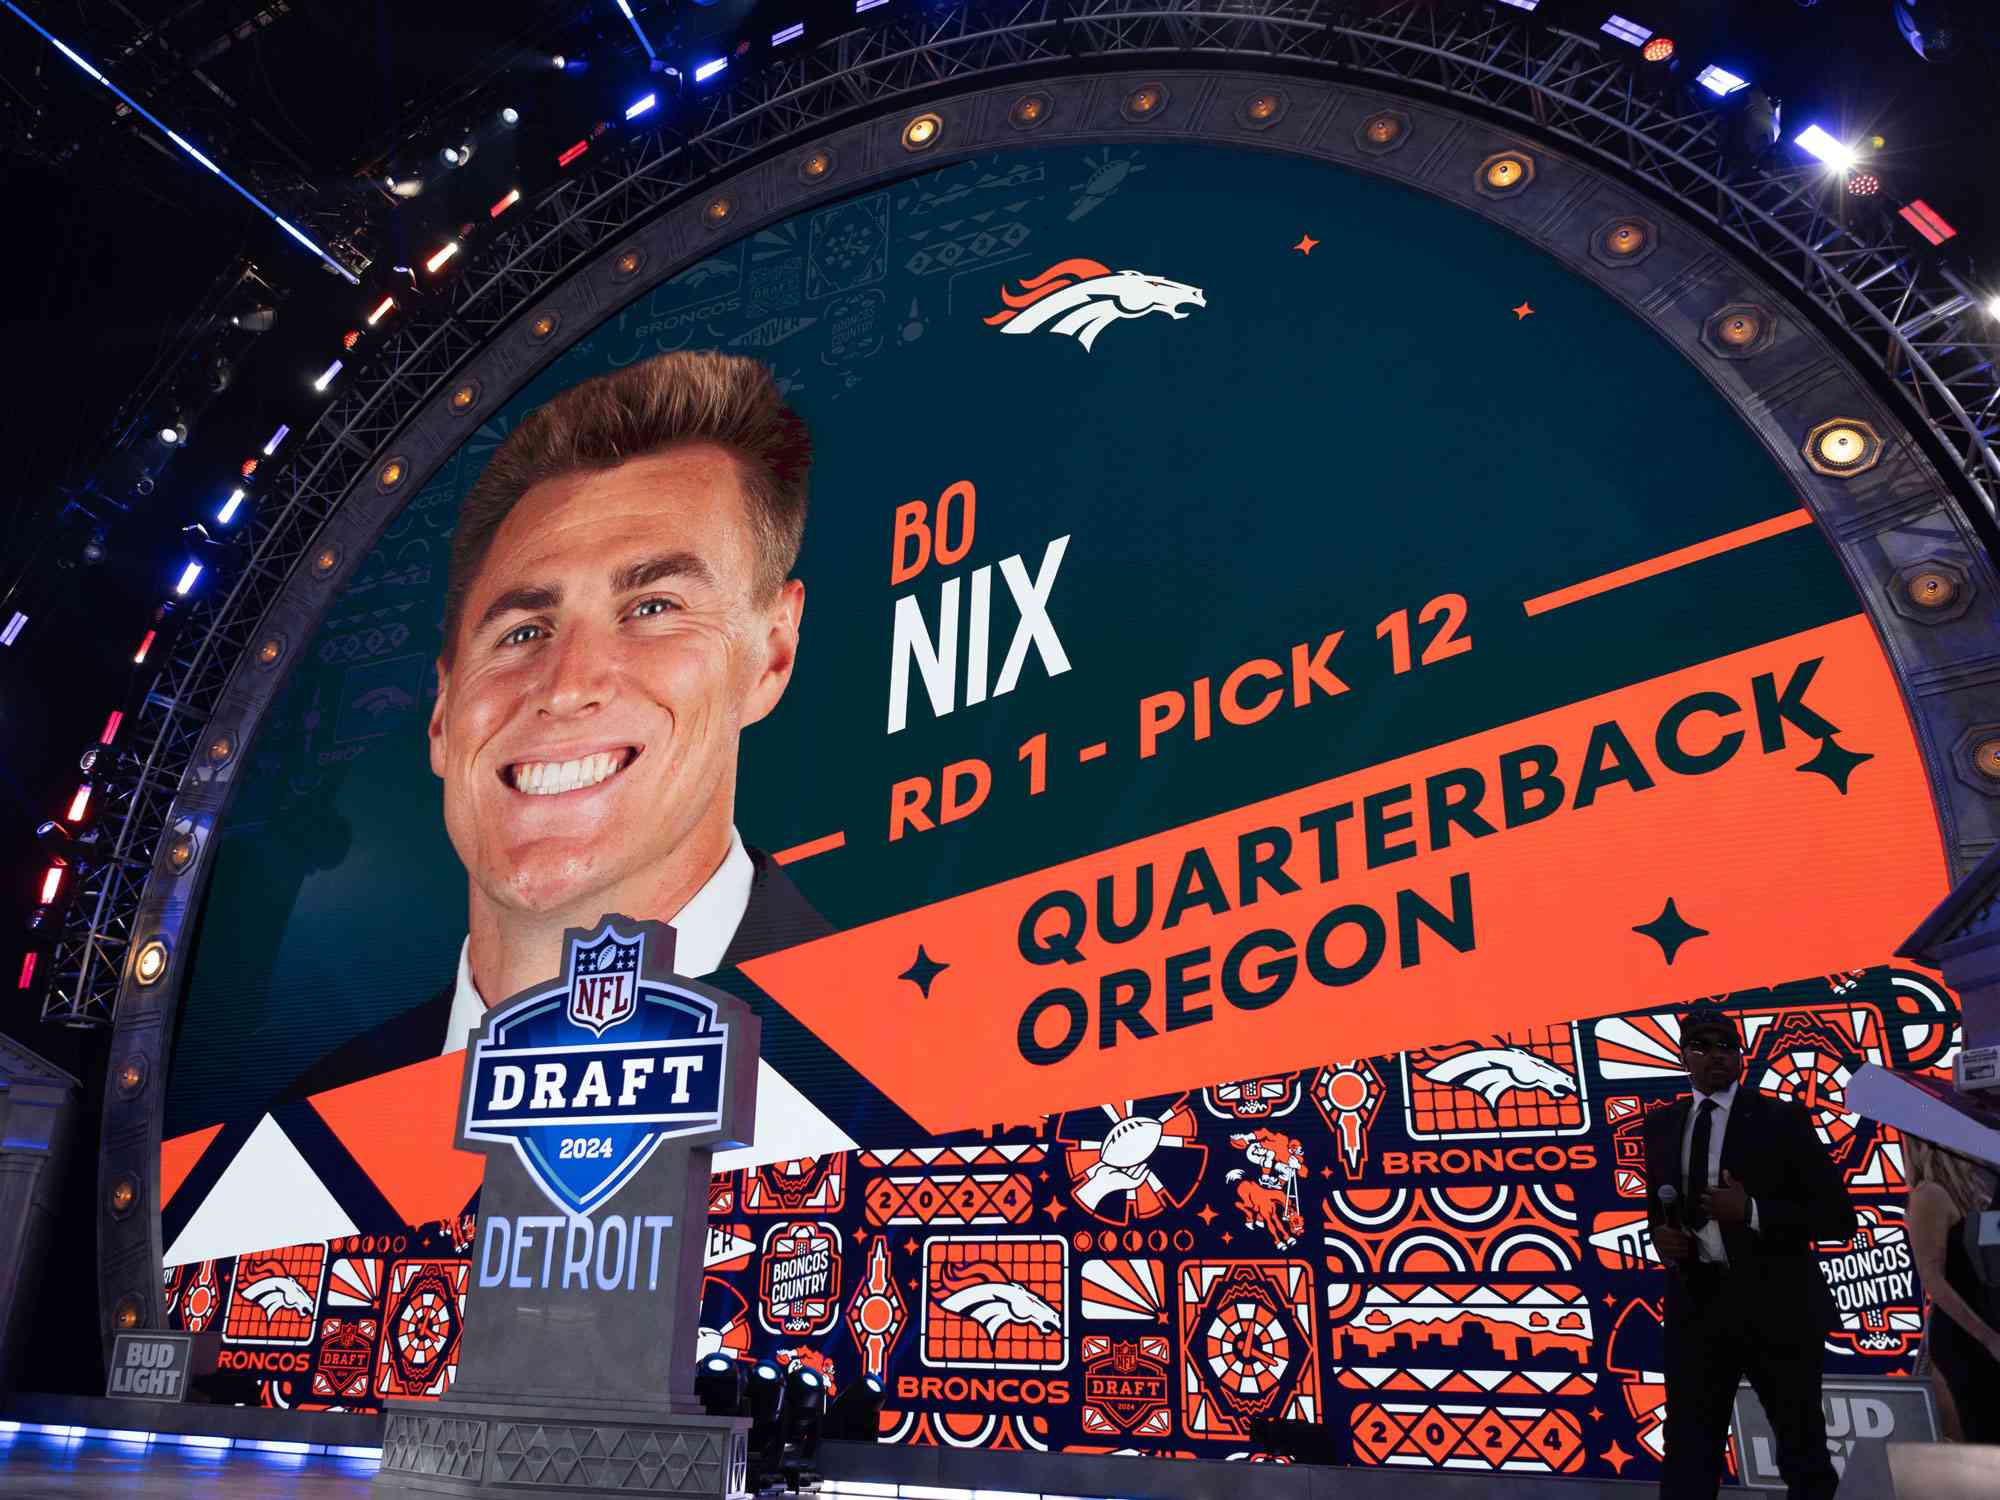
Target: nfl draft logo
[(586, 1078)]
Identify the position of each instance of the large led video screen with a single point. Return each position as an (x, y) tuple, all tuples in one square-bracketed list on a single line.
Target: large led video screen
[(1295, 686)]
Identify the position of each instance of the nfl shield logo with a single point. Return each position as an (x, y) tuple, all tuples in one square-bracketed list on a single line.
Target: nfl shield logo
[(604, 981)]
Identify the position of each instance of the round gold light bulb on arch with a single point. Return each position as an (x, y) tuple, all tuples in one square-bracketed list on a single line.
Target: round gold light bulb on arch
[(1841, 445), (151, 962), (1503, 173), (1739, 328), (1986, 756), (1384, 129), (1932, 590), (1263, 106)]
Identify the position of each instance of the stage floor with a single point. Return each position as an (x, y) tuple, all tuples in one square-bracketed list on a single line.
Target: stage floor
[(35, 1465)]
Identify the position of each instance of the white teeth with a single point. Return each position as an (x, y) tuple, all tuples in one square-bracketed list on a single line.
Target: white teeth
[(542, 778)]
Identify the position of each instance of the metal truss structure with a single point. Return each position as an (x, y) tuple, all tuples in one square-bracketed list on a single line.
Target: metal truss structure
[(1923, 335)]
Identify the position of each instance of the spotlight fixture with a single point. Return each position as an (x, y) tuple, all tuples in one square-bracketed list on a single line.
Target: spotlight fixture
[(145, 645), (151, 962), (707, 70), (719, 1383), (11, 632), (382, 310), (271, 445), (1863, 184), (326, 376), (458, 155), (560, 62), (1720, 81), (1827, 148), (639, 107), (187, 579), (79, 804), (789, 33), (1658, 49), (855, 1416), (513, 197), (921, 133), (174, 433), (350, 338), (1926, 220), (1625, 31), (510, 116), (437, 260)]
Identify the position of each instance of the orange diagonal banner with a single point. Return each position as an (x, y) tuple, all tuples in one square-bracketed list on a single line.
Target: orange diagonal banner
[(1754, 819)]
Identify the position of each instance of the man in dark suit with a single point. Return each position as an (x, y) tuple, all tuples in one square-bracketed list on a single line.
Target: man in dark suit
[(1739, 1188)]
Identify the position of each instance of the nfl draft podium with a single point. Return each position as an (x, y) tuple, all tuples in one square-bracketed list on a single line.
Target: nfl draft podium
[(596, 1099)]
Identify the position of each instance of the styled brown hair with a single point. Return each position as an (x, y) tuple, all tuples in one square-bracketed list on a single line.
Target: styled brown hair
[(646, 408)]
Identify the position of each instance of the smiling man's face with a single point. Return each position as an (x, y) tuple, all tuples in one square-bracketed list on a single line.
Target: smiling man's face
[(610, 652)]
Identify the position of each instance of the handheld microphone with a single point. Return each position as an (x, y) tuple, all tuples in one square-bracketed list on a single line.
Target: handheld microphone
[(1670, 1200)]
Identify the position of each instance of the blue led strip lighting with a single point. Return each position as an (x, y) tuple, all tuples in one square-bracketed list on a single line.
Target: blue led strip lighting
[(626, 7), (147, 115)]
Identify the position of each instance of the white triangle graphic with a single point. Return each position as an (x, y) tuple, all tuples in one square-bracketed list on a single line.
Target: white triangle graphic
[(789, 1126), (265, 1198)]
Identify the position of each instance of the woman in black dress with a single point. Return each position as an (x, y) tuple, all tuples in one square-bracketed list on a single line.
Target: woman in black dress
[(1962, 1340)]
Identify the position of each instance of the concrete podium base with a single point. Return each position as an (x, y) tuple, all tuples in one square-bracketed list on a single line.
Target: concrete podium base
[(467, 1449)]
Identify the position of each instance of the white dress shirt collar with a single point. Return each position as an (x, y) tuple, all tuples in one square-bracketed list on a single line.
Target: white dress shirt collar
[(1723, 1097), (702, 932)]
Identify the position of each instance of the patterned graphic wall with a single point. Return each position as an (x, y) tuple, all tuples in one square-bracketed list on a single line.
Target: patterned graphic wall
[(1300, 510), (1440, 1254)]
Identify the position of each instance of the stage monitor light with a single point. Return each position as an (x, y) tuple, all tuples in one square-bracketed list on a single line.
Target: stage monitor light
[(437, 260), (284, 431), (767, 1392), (326, 376), (513, 197), (382, 310), (707, 70), (639, 107), (15, 624), (805, 1410), (79, 804), (1626, 31), (719, 1382), (510, 116), (1926, 220), (230, 506), (1719, 81), (1827, 148), (856, 1413), (145, 645), (790, 33)]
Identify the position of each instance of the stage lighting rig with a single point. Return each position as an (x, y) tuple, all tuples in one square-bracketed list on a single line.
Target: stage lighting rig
[(719, 1382), (856, 1413)]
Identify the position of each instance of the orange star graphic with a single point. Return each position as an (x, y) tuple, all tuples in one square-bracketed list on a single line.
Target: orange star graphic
[(1522, 311), (1305, 244), (1616, 1456), (1054, 1209)]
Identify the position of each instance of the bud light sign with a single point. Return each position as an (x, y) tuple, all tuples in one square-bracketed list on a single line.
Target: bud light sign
[(585, 1079)]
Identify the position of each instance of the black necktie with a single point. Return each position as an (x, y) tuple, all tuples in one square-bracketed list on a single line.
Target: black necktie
[(1698, 1165)]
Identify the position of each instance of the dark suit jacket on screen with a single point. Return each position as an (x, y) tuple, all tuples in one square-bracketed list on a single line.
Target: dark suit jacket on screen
[(776, 917), (1771, 1148)]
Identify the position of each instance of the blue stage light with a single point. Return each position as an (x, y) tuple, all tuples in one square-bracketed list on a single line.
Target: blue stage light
[(12, 632), (151, 119), (861, 5), (230, 506), (639, 106), (188, 576), (791, 33), (326, 376), (705, 71), (276, 438), (1626, 31), (625, 9), (1827, 148), (1522, 4), (1720, 81)]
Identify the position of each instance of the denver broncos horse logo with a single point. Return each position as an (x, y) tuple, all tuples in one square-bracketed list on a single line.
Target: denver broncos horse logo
[(1081, 297), (984, 1293)]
